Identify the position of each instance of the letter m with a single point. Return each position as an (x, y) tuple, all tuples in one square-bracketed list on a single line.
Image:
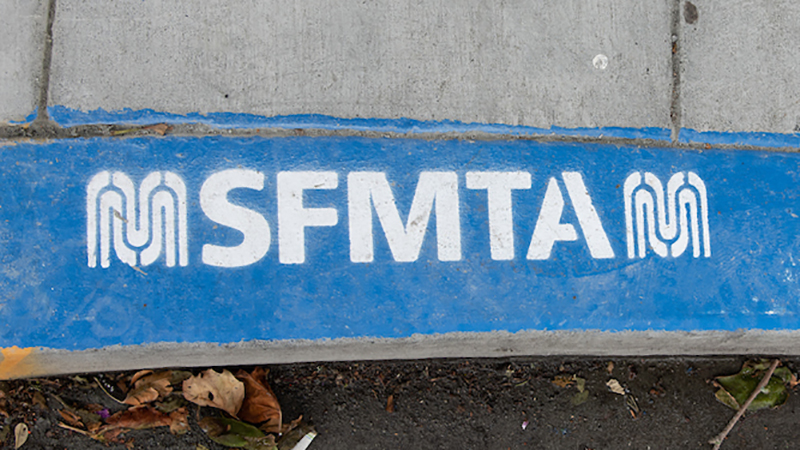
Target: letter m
[(367, 189), (139, 226)]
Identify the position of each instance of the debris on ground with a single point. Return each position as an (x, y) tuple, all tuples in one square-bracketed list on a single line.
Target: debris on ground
[(260, 406), (219, 390), (615, 387), (160, 399), (759, 389), (564, 381), (20, 435), (733, 390), (630, 401)]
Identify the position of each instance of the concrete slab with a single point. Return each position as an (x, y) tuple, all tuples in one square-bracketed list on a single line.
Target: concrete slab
[(739, 66), (21, 49), (567, 63)]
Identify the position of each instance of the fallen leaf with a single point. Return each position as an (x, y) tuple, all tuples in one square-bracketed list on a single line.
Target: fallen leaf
[(201, 447), (580, 383), (260, 404), (3, 401), (615, 387), (287, 427), (633, 406), (171, 403), (20, 435), (220, 390), (180, 422), (233, 433), (610, 367), (5, 432), (390, 404), (564, 380), (149, 388), (140, 374), (139, 418), (733, 390), (580, 398), (71, 418), (160, 128), (38, 399), (90, 419)]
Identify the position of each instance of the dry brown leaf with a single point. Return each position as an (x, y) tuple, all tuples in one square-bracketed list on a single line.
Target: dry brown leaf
[(139, 418), (564, 380), (148, 387), (220, 390), (390, 404), (20, 435), (38, 399), (71, 418), (138, 375), (615, 387), (260, 404), (287, 427), (180, 421), (110, 435), (160, 128)]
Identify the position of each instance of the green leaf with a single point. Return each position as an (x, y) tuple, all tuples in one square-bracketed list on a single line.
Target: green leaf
[(580, 398), (735, 389), (233, 433)]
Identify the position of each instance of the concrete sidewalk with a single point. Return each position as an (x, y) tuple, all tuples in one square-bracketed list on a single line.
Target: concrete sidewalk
[(711, 65)]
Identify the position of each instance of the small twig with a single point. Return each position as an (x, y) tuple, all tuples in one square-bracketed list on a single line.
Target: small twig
[(107, 393), (717, 441), (77, 430)]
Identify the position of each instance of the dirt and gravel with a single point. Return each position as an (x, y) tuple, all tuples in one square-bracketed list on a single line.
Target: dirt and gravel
[(451, 404)]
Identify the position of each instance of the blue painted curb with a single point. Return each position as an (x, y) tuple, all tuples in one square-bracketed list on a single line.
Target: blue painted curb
[(331, 237)]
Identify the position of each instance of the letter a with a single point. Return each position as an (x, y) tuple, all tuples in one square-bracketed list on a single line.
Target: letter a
[(549, 228)]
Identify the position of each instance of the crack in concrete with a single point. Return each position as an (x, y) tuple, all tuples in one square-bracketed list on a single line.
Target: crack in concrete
[(675, 100), (42, 118)]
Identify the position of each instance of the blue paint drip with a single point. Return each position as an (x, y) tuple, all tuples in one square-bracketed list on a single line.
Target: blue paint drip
[(30, 118)]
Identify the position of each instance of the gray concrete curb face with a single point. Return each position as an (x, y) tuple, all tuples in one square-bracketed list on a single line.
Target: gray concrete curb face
[(23, 23), (739, 66), (566, 63), (451, 345)]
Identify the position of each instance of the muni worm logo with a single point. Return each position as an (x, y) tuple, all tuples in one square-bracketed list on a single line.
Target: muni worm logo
[(142, 224), (139, 230)]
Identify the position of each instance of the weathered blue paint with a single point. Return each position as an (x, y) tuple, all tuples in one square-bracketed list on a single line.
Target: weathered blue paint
[(50, 297), (755, 139), (68, 117)]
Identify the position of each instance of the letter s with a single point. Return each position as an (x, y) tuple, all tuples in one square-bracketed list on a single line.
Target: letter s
[(215, 205)]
